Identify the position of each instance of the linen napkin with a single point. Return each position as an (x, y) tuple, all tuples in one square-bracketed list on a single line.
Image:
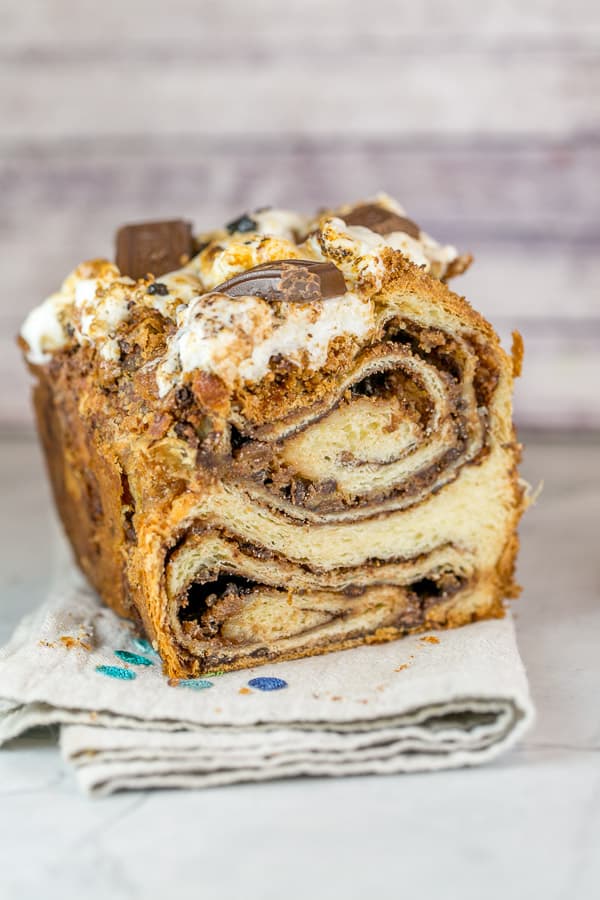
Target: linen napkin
[(427, 702)]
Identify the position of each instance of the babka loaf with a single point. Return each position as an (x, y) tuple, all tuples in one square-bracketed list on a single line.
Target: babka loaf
[(280, 438)]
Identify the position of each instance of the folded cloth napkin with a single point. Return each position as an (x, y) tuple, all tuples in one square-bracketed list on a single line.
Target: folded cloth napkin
[(427, 702)]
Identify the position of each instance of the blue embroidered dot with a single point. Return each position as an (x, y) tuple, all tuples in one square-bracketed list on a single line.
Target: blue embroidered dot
[(143, 645), (198, 684), (116, 672), (268, 684), (134, 658)]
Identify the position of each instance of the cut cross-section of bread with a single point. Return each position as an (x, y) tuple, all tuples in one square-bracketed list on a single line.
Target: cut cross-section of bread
[(299, 442)]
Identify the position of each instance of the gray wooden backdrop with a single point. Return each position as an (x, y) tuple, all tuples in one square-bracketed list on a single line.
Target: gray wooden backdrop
[(482, 118)]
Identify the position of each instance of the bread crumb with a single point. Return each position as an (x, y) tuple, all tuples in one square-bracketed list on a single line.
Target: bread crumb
[(69, 642), (516, 353), (430, 639)]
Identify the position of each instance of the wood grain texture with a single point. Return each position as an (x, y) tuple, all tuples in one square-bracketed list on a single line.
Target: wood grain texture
[(212, 93), (524, 209), (483, 119), (518, 189), (138, 68), (42, 22)]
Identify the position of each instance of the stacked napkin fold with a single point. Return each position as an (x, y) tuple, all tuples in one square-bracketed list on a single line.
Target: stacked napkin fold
[(427, 702)]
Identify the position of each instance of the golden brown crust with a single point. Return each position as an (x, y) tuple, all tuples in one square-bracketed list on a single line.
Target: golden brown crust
[(87, 490), (458, 266)]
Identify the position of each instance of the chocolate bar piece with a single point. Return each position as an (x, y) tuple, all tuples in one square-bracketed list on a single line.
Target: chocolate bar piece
[(381, 220), (153, 248), (292, 280)]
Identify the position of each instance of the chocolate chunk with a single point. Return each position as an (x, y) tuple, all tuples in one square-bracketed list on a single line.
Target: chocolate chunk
[(153, 247), (183, 396), (292, 280), (157, 287), (381, 220), (244, 223)]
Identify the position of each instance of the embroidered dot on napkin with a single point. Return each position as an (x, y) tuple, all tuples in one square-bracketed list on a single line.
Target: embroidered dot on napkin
[(116, 672), (267, 684), (134, 658), (143, 645), (198, 684)]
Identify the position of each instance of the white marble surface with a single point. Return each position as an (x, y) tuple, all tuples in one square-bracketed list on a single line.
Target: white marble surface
[(527, 827)]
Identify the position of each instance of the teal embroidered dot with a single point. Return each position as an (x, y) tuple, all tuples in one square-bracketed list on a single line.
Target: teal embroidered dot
[(134, 658), (267, 684), (198, 684), (116, 672), (143, 645)]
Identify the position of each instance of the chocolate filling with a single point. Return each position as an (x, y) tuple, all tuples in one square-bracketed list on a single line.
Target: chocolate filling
[(256, 462), (205, 606), (395, 383), (259, 551)]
